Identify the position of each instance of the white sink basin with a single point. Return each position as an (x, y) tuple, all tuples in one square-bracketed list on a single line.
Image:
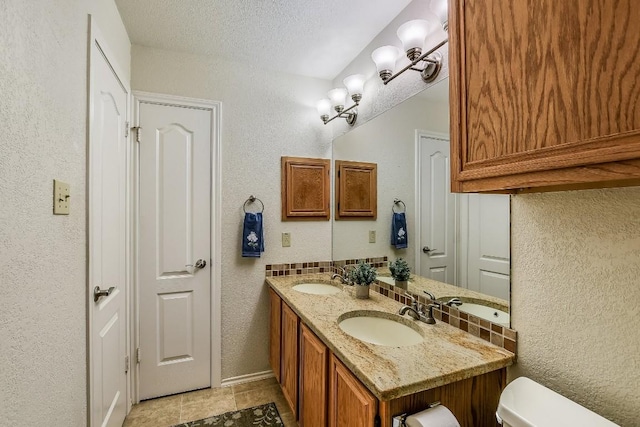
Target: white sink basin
[(316, 288), (376, 328), (482, 311)]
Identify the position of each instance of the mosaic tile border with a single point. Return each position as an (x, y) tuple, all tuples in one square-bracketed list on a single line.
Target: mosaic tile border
[(496, 334)]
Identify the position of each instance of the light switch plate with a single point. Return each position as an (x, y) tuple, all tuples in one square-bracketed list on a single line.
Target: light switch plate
[(61, 198), (286, 240), (372, 236)]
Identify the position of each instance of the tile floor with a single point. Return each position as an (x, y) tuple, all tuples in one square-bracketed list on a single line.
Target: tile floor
[(180, 408)]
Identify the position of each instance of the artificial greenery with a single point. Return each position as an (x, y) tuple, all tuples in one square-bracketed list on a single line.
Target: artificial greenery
[(363, 274), (400, 270)]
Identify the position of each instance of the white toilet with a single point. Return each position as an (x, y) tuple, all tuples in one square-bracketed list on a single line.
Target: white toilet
[(525, 403)]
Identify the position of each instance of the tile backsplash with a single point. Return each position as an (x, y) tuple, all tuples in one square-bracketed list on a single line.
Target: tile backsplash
[(494, 333)]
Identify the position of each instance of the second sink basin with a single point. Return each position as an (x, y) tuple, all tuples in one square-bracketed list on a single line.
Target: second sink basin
[(376, 327), (316, 288)]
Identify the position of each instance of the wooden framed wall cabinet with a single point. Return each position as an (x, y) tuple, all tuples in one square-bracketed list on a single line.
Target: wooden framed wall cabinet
[(356, 190), (306, 188), (545, 94)]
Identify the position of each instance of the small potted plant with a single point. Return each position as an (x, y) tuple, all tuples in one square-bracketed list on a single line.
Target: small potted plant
[(362, 276), (400, 272)]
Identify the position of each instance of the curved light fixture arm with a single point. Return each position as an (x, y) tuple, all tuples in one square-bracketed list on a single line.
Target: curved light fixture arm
[(432, 67), (350, 114)]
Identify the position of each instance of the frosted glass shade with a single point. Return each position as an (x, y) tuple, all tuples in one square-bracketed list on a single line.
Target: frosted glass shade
[(385, 57), (338, 97), (412, 34), (324, 107), (354, 84), (441, 9)]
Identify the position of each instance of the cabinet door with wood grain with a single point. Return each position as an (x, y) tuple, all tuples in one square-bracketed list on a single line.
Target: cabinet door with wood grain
[(275, 327), (545, 94), (289, 365), (314, 365), (350, 403)]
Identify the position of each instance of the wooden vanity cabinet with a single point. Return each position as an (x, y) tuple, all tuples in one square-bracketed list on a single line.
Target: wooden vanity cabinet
[(544, 94), (314, 364), (289, 356), (350, 403)]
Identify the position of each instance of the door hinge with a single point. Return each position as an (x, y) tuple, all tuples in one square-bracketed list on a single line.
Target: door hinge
[(138, 355), (138, 132), (126, 364), (126, 129)]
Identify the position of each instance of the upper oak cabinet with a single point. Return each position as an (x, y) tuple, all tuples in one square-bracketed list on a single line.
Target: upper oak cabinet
[(545, 94)]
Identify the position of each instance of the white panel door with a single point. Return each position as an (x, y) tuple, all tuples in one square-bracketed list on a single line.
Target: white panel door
[(437, 210), (175, 233), (488, 240), (107, 242)]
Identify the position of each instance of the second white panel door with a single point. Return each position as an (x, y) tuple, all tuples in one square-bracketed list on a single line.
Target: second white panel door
[(175, 249)]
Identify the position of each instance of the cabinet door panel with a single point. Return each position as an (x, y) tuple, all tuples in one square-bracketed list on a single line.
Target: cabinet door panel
[(289, 366), (350, 403), (275, 326), (314, 358), (542, 85)]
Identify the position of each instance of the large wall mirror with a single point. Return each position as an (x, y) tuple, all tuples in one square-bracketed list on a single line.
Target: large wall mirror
[(458, 239)]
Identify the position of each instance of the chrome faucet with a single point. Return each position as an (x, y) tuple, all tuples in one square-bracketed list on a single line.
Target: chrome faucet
[(344, 277), (415, 311), (453, 301), (430, 295)]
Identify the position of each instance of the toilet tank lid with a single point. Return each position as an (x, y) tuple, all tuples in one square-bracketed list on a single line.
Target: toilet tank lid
[(525, 403)]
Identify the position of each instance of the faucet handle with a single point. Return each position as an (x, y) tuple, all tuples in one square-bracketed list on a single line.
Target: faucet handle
[(414, 301)]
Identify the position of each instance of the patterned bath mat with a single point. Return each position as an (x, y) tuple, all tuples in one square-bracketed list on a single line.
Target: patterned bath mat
[(258, 416)]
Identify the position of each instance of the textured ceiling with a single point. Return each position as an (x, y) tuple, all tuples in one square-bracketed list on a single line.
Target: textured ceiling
[(309, 38)]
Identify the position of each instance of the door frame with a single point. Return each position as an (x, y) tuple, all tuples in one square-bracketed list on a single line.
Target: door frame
[(96, 37), (418, 208), (214, 107)]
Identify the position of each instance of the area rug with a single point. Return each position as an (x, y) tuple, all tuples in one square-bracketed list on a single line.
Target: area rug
[(258, 416)]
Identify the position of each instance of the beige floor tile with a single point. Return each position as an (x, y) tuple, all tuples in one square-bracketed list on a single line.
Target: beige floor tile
[(261, 396), (198, 409), (206, 395), (161, 412), (289, 420), (239, 388)]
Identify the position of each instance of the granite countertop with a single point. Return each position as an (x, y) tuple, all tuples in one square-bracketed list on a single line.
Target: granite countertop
[(446, 355)]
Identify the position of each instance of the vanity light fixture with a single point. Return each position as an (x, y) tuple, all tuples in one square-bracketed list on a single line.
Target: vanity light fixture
[(337, 100), (413, 35)]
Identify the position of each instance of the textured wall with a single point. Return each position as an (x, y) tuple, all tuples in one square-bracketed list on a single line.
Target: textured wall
[(265, 115), (43, 111), (575, 293)]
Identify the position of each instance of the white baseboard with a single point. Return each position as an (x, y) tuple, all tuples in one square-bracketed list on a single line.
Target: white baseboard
[(228, 382)]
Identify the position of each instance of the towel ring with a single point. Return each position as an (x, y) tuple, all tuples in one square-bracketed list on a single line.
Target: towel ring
[(397, 202), (252, 199)]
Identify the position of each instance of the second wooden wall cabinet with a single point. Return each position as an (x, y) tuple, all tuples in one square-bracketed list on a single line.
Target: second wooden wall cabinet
[(545, 94)]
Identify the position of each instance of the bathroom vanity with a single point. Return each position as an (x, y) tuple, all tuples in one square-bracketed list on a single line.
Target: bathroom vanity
[(331, 378)]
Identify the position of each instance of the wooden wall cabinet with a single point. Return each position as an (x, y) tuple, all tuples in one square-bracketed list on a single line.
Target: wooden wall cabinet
[(545, 94), (356, 190), (314, 362), (350, 403), (306, 188), (289, 365)]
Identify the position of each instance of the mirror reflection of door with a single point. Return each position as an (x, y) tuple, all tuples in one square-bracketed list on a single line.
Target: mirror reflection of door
[(437, 209)]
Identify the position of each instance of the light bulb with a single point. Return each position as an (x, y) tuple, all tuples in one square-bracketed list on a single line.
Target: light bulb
[(324, 108), (355, 86), (385, 58), (441, 9), (412, 34), (338, 98)]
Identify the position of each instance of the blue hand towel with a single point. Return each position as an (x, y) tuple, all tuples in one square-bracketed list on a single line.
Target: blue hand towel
[(252, 235), (399, 236)]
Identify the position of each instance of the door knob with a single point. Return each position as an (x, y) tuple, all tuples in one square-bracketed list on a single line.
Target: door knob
[(99, 293), (200, 263), (426, 249)]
